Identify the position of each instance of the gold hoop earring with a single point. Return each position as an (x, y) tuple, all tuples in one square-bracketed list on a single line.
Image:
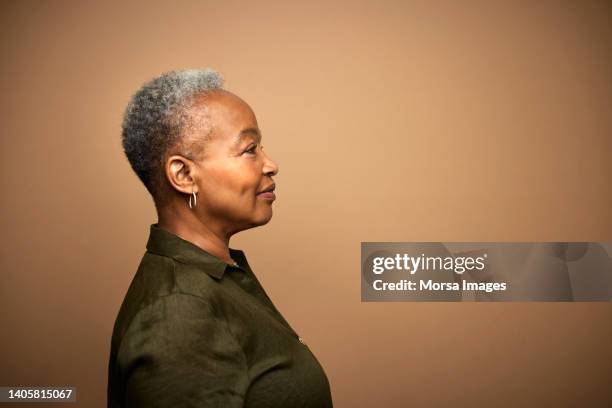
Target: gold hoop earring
[(195, 200)]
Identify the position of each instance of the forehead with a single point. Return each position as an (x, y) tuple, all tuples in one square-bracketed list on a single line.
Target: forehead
[(230, 117)]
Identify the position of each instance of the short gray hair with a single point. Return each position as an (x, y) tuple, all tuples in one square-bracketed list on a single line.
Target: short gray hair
[(157, 118)]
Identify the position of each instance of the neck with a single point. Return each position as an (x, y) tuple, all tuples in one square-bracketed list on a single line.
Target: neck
[(206, 235)]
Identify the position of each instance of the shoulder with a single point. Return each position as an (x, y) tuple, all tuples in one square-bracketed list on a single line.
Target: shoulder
[(163, 287), (160, 276)]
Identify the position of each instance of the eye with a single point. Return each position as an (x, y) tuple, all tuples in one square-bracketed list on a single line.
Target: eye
[(251, 149)]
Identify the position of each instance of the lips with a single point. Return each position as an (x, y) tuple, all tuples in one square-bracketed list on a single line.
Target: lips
[(269, 189), (268, 193)]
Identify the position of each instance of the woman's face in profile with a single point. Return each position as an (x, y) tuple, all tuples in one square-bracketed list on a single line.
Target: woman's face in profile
[(234, 170)]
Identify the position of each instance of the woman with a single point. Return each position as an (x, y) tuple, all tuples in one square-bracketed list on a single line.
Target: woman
[(196, 329)]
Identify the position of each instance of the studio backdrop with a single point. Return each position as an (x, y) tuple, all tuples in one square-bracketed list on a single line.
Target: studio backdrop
[(391, 121)]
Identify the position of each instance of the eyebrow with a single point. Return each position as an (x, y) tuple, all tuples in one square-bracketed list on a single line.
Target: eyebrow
[(244, 133)]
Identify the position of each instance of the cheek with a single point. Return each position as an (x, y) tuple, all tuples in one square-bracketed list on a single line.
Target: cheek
[(231, 186)]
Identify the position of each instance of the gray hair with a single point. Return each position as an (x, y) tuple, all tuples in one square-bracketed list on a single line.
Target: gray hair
[(158, 117)]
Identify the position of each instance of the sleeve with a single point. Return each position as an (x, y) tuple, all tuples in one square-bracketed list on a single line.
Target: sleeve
[(177, 353)]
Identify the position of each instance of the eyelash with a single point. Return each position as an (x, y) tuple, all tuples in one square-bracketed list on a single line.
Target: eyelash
[(250, 150)]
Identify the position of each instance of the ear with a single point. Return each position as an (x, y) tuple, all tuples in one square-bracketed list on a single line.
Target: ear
[(181, 173)]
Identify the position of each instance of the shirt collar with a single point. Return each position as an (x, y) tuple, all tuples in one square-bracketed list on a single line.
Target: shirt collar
[(165, 243)]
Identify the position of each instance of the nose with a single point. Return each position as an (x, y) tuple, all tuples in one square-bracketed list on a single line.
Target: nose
[(270, 168)]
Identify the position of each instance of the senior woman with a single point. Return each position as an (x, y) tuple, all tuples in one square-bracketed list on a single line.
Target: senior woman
[(196, 329)]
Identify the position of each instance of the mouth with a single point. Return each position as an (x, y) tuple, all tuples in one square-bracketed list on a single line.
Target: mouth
[(268, 193)]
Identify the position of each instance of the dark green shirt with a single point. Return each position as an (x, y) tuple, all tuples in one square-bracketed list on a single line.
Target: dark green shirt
[(194, 331)]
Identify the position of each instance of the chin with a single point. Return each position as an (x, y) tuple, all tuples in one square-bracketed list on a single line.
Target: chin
[(261, 219), (265, 218)]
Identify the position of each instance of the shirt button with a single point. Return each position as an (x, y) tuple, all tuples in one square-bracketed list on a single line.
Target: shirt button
[(301, 340)]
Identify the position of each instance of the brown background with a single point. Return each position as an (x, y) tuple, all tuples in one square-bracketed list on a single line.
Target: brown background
[(391, 121)]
